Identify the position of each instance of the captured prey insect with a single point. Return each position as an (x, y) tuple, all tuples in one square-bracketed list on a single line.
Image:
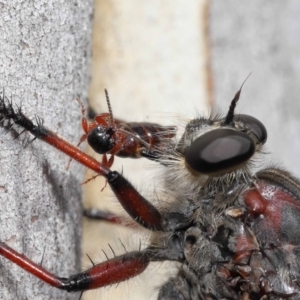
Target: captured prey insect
[(234, 233), (107, 135)]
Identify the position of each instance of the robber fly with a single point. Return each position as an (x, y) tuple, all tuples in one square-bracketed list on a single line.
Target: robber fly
[(235, 234)]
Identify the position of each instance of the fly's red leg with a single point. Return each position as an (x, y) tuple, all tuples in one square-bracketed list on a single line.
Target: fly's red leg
[(112, 271), (135, 204), (132, 201), (139, 208), (29, 266)]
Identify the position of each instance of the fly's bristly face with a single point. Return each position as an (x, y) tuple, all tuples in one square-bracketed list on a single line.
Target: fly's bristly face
[(215, 151)]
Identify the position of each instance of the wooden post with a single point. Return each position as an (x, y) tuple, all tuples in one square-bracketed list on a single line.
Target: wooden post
[(44, 66)]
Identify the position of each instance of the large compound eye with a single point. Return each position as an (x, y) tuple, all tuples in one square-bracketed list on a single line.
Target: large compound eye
[(101, 139), (255, 126), (219, 151)]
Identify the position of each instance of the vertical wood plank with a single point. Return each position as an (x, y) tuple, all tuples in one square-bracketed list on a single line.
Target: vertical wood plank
[(44, 66)]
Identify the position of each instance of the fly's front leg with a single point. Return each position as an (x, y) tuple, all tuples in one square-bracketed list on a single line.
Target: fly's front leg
[(140, 209), (112, 271)]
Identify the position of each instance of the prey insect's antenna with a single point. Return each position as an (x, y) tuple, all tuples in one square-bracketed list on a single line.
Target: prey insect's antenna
[(112, 121), (230, 114)]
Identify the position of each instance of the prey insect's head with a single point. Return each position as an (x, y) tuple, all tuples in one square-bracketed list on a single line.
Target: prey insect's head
[(102, 136), (217, 146)]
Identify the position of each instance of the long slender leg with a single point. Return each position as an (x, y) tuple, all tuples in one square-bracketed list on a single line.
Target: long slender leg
[(112, 271), (132, 201)]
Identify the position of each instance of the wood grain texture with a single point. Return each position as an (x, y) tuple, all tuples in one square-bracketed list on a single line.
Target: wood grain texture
[(44, 66)]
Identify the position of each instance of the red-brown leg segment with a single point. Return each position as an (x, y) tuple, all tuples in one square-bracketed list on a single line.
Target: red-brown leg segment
[(139, 208), (29, 266), (132, 201), (112, 271), (135, 204)]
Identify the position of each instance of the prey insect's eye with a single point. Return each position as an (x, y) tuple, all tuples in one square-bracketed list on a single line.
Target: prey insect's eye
[(254, 125), (219, 151), (101, 139)]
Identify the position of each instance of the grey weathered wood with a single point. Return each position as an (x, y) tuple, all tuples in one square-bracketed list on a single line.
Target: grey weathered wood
[(44, 65), (262, 38)]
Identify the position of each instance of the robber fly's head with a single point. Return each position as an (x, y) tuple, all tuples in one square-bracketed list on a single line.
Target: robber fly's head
[(217, 146)]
